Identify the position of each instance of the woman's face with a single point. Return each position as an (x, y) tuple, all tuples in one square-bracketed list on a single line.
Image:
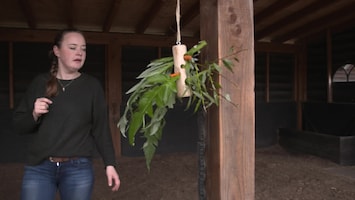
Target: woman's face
[(71, 53)]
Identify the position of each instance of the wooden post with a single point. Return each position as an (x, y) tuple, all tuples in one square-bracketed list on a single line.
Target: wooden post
[(231, 130), (267, 80), (301, 83), (114, 90), (11, 76), (329, 67)]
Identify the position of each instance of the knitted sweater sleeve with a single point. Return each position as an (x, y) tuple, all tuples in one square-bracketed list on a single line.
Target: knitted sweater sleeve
[(23, 120), (100, 129)]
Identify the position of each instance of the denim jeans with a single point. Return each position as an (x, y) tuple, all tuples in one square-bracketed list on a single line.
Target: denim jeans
[(73, 179)]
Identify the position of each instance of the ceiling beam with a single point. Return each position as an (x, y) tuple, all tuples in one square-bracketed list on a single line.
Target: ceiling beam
[(344, 25), (341, 26), (27, 35), (69, 13), (308, 10), (271, 10), (186, 18), (148, 17), (276, 48), (115, 5), (341, 14), (26, 8)]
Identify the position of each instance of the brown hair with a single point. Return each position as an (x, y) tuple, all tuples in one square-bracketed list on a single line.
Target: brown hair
[(52, 84)]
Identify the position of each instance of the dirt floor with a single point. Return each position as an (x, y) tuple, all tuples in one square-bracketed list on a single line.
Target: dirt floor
[(279, 176)]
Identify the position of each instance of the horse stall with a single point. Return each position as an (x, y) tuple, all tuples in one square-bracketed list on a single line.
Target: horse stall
[(328, 132)]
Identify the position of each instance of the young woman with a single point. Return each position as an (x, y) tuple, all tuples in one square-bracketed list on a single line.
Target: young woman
[(66, 114)]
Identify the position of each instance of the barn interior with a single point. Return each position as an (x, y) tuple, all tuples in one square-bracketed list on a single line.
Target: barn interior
[(299, 47)]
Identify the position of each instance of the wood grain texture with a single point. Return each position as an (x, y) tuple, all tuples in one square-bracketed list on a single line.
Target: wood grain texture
[(114, 91), (231, 143)]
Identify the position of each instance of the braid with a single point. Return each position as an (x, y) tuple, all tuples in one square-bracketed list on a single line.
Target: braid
[(52, 86)]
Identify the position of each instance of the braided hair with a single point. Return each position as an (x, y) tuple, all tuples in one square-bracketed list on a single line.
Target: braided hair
[(52, 85)]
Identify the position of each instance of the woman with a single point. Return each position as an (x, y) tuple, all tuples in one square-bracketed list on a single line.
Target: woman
[(66, 114)]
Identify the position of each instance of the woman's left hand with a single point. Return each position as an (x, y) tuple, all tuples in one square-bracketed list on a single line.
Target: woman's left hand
[(113, 180)]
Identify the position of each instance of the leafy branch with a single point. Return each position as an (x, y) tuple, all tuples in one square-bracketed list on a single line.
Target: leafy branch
[(156, 92)]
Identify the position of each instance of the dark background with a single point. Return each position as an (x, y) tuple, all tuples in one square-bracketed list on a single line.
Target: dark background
[(279, 112)]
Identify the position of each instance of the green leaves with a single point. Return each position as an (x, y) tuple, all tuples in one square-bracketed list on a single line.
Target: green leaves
[(197, 48), (156, 92), (149, 101)]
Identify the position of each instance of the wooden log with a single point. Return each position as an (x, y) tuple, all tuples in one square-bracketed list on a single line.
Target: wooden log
[(178, 54)]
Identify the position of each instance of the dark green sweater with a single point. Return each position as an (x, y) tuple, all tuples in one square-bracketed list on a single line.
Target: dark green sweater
[(76, 122)]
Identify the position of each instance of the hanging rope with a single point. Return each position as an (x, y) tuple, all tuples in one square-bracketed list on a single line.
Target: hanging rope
[(178, 35)]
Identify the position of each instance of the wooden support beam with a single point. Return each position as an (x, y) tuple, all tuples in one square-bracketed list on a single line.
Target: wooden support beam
[(114, 90), (231, 130), (342, 14), (321, 35), (274, 8), (267, 78), (93, 37), (11, 76), (111, 15), (301, 83), (26, 8), (148, 17), (306, 11), (190, 14), (329, 66), (186, 18), (276, 47), (69, 12)]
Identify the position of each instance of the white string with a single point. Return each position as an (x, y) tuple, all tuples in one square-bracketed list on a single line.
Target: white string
[(178, 35)]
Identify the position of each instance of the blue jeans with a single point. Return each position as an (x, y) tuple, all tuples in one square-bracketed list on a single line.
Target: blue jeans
[(73, 179)]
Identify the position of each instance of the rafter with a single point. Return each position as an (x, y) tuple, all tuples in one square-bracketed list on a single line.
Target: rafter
[(339, 27), (274, 20), (186, 18), (344, 13), (272, 9), (115, 4), (149, 16), (308, 10), (28, 13), (69, 8)]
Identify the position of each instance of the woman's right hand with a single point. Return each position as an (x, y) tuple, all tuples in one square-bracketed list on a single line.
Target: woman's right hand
[(41, 106)]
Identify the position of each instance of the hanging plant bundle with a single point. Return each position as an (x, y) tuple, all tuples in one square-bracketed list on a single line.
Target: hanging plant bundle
[(158, 89)]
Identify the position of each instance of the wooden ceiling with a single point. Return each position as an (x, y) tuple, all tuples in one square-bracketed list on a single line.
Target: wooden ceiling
[(277, 21)]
